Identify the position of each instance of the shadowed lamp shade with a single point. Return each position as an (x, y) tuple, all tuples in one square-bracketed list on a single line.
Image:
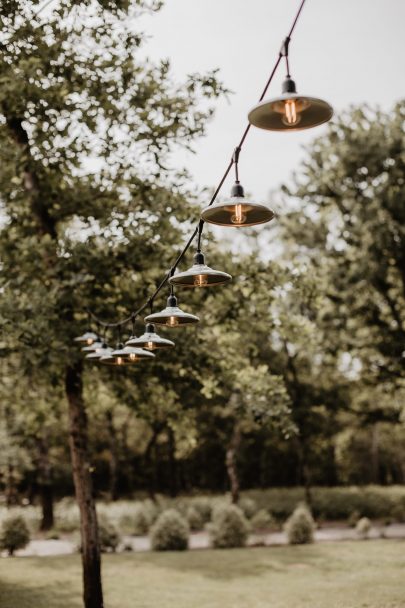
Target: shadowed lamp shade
[(290, 111), (200, 275), (172, 315), (237, 212), (150, 340)]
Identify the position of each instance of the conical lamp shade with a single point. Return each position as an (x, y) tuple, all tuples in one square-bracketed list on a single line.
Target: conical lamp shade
[(290, 111), (150, 340), (87, 338), (99, 353), (237, 212), (200, 275), (172, 315)]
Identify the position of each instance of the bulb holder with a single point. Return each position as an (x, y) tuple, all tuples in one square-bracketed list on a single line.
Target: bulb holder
[(200, 275), (237, 212), (288, 86)]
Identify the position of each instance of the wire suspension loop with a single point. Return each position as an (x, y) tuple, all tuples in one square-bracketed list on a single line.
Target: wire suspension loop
[(198, 230)]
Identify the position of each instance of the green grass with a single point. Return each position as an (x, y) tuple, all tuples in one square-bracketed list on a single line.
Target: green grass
[(367, 574)]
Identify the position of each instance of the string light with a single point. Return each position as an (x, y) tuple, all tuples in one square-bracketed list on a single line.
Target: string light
[(288, 112)]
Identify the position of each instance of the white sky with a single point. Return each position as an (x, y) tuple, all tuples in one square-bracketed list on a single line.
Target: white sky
[(346, 51)]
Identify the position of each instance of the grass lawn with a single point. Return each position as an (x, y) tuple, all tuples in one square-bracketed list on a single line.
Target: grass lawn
[(363, 574)]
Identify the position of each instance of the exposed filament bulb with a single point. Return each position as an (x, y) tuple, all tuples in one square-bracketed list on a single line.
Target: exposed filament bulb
[(291, 116), (238, 217), (200, 280), (89, 341), (132, 357), (173, 321), (150, 346), (119, 360)]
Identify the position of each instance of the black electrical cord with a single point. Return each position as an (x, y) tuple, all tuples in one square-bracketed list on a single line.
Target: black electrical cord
[(234, 160)]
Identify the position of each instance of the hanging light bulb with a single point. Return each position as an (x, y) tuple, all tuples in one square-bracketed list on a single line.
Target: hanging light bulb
[(199, 275), (237, 211), (87, 338), (150, 340), (172, 315), (290, 111)]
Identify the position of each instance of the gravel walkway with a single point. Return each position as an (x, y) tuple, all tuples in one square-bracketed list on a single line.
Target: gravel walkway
[(200, 540)]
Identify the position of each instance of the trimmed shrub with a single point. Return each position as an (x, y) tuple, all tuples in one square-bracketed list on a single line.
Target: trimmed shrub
[(353, 518), (108, 535), (248, 506), (14, 534), (300, 526), (194, 518), (203, 507), (363, 527), (229, 527), (141, 521), (170, 532), (262, 520)]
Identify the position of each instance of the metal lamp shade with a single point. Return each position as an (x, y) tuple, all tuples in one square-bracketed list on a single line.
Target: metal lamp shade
[(200, 275), (99, 353), (125, 355), (87, 338), (172, 315), (290, 111), (92, 348), (238, 212), (150, 340)]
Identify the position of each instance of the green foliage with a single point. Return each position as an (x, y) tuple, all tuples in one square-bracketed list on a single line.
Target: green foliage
[(333, 503), (170, 532), (194, 518), (108, 535), (229, 527), (363, 528), (353, 518), (14, 534), (142, 520), (261, 520), (248, 506), (300, 526)]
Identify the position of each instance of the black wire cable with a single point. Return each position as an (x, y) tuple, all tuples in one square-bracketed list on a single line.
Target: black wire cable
[(234, 160)]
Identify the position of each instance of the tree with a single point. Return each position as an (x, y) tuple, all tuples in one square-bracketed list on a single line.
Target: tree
[(348, 219), (72, 90)]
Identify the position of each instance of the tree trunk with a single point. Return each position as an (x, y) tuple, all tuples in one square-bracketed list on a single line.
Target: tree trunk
[(230, 461), (45, 485), (305, 475), (113, 456), (91, 560), (173, 486), (11, 489), (375, 454)]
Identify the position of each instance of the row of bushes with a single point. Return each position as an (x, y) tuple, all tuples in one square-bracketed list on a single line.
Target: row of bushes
[(229, 528), (265, 509)]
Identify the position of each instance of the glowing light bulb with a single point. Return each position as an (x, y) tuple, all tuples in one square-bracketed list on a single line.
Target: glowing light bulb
[(132, 356), (150, 346), (291, 116), (200, 280), (173, 321), (89, 341), (119, 360), (238, 217)]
